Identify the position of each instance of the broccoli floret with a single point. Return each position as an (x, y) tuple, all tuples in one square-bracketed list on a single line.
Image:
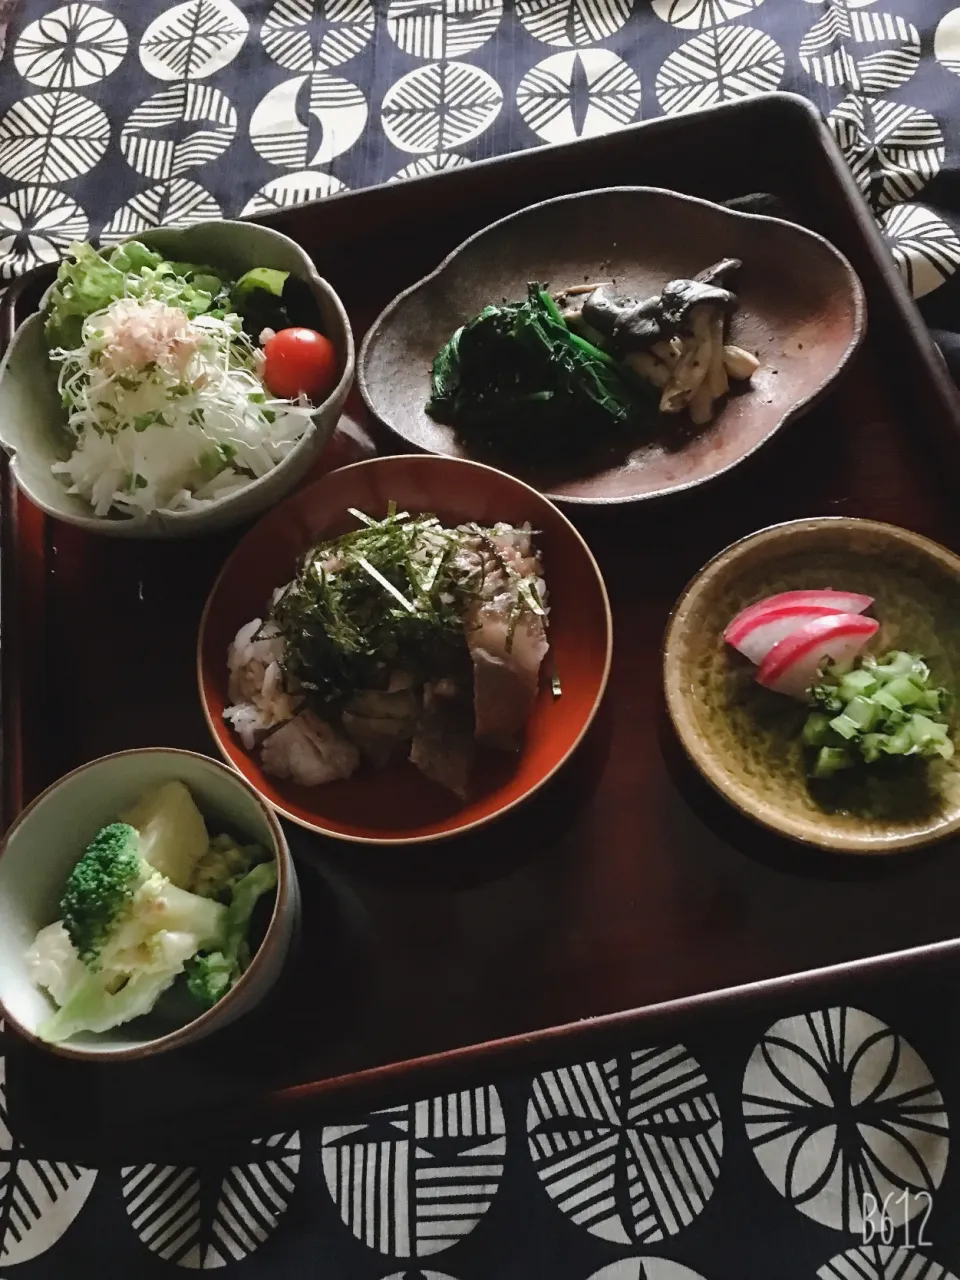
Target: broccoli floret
[(130, 932), (100, 888), (223, 865), (211, 976)]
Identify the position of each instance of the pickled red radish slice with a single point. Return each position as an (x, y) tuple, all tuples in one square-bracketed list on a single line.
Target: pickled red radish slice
[(834, 601), (761, 633), (791, 666)]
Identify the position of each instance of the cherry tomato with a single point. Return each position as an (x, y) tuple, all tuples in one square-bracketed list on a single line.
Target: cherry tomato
[(300, 360)]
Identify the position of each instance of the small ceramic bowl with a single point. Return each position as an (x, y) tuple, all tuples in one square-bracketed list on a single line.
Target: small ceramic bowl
[(43, 845), (397, 804), (31, 417), (745, 739)]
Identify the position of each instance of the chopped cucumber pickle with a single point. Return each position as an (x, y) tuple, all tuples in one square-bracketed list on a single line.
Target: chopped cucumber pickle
[(831, 760), (884, 708)]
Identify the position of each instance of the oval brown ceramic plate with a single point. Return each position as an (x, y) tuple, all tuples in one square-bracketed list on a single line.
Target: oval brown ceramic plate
[(801, 308), (398, 804), (745, 739)]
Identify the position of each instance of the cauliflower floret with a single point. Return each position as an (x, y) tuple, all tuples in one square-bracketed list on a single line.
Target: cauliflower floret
[(53, 963)]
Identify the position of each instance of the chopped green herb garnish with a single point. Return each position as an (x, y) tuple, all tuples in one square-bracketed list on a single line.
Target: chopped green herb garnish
[(390, 595)]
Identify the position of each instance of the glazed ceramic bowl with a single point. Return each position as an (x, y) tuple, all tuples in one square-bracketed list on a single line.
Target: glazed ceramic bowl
[(801, 308), (745, 739), (398, 805), (32, 420), (43, 845)]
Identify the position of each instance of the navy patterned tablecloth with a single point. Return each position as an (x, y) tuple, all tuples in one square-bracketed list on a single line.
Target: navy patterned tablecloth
[(815, 1142)]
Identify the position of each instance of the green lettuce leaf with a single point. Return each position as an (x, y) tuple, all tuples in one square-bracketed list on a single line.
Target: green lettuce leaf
[(88, 281)]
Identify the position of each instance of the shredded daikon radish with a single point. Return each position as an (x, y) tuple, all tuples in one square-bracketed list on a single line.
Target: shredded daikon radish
[(168, 412)]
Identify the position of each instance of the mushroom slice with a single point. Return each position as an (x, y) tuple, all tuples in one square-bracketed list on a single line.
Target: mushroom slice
[(701, 404), (681, 297), (601, 311), (657, 364), (631, 326), (639, 325), (668, 351), (740, 365), (716, 374), (650, 366), (694, 362), (720, 273)]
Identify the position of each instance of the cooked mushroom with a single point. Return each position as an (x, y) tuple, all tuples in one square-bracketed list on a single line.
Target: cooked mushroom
[(720, 272), (570, 302), (717, 374), (680, 297), (639, 326), (601, 311), (740, 365), (649, 366), (701, 405), (697, 311), (628, 326), (694, 363), (668, 349), (657, 364), (677, 341)]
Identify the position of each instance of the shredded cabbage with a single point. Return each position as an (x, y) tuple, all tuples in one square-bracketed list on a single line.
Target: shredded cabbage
[(166, 408)]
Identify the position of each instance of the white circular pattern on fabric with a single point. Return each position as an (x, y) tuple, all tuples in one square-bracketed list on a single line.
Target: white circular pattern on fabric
[(413, 1180), (837, 1105), (946, 41), (867, 51), (698, 15), (442, 28), (291, 189), (145, 142), (206, 1219), (177, 203), (40, 1197), (76, 45), (719, 66), (308, 120), (52, 137), (628, 1148), (893, 150), (645, 1269), (925, 249), (418, 1275), (573, 24), (443, 105), (579, 95), (315, 35), (429, 164), (193, 40), (883, 1262)]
